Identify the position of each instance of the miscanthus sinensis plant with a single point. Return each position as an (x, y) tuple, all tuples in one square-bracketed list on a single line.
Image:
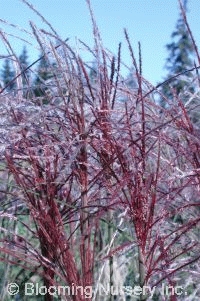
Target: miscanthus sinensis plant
[(100, 185)]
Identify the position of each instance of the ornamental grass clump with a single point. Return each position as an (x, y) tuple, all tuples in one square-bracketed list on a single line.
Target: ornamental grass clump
[(97, 178)]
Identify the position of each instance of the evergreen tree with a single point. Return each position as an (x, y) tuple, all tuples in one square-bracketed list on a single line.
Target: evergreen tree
[(93, 72), (180, 58), (131, 79), (7, 74), (44, 72), (23, 60)]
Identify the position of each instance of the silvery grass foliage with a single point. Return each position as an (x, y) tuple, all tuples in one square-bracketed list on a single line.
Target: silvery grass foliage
[(99, 179)]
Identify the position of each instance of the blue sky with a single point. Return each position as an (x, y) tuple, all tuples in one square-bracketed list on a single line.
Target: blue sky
[(149, 21)]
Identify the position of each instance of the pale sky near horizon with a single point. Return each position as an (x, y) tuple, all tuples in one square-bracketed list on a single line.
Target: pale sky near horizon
[(149, 21)]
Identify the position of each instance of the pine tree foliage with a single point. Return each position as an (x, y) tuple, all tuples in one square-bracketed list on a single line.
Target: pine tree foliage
[(44, 73), (23, 60), (93, 72), (7, 75), (131, 79), (181, 53)]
